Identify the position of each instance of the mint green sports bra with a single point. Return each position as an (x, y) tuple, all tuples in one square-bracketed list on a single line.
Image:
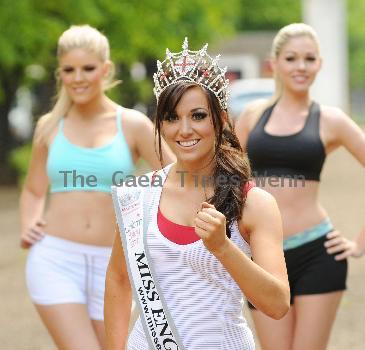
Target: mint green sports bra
[(75, 168)]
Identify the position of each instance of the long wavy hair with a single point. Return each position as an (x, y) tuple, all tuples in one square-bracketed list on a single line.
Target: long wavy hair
[(229, 160), (76, 37)]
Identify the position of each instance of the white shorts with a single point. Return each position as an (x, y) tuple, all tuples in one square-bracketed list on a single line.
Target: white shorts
[(60, 271)]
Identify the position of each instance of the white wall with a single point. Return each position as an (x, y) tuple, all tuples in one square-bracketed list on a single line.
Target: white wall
[(328, 18)]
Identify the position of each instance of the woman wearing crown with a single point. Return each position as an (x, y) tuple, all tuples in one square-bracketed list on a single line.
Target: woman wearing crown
[(200, 236)]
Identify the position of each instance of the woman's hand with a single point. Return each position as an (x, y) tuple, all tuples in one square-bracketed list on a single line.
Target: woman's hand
[(210, 226), (338, 244), (32, 234)]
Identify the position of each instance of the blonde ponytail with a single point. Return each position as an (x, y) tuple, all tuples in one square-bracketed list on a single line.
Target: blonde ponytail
[(49, 121)]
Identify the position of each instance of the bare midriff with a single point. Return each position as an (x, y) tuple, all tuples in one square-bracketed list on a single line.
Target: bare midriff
[(82, 217), (299, 205)]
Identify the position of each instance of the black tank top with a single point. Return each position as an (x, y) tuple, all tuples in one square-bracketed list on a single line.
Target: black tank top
[(300, 155)]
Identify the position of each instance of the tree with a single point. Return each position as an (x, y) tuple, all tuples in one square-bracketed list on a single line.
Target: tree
[(268, 15), (25, 36), (356, 42), (138, 31)]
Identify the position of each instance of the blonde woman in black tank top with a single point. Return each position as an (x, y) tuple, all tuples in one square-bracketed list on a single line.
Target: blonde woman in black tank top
[(287, 140)]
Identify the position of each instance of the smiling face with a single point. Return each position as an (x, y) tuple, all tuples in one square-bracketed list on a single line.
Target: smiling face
[(82, 73), (297, 64), (189, 129)]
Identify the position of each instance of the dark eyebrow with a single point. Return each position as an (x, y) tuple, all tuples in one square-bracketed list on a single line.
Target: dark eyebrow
[(171, 114)]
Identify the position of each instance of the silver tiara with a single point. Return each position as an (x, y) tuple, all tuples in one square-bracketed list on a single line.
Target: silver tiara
[(195, 66)]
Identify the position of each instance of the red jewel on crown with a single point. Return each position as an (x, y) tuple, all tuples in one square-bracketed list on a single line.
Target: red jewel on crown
[(196, 66), (206, 73), (184, 65)]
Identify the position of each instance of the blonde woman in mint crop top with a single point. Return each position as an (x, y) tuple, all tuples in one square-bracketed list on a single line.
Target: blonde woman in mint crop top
[(83, 146)]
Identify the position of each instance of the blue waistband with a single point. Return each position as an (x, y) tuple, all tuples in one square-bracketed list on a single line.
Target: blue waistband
[(308, 235)]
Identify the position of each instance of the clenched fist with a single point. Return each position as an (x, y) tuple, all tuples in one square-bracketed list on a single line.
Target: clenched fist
[(210, 226)]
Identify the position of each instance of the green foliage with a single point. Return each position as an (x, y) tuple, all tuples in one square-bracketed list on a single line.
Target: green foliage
[(137, 30), (143, 29), (268, 15), (356, 10), (19, 160), (27, 35), (140, 31)]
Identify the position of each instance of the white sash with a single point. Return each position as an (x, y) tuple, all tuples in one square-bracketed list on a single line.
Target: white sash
[(133, 208)]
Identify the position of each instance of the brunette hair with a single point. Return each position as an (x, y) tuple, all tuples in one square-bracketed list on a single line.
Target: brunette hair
[(231, 164)]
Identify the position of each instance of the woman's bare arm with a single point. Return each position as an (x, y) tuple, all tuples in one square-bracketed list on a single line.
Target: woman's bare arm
[(343, 131), (264, 280), (117, 299), (33, 196)]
